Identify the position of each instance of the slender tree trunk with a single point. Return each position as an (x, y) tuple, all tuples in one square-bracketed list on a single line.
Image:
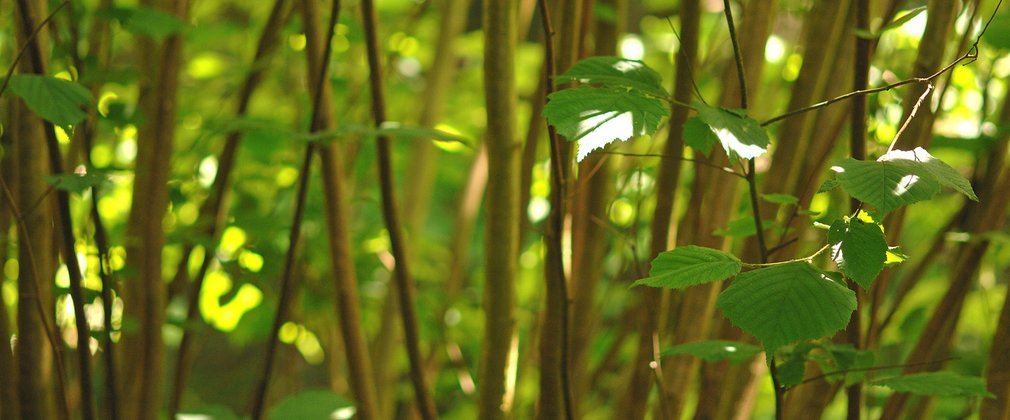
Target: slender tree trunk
[(391, 214), (502, 232), (36, 255), (998, 369), (668, 181), (593, 191), (144, 294), (345, 281)]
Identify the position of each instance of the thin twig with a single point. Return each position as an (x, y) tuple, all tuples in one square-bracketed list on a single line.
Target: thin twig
[(969, 56), (390, 212), (51, 334), (753, 189), (915, 109), (556, 218), (31, 37), (294, 237)]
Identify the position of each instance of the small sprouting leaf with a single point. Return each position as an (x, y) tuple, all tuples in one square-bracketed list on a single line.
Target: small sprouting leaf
[(58, 101), (715, 350), (615, 72), (780, 198), (883, 185), (741, 136), (945, 384), (77, 182), (827, 186), (595, 117), (859, 249), (895, 256), (144, 21), (690, 265), (312, 404), (742, 228), (791, 371), (786, 303), (920, 162), (699, 136)]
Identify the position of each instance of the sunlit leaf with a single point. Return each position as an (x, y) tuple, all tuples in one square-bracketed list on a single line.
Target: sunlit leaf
[(742, 137), (58, 101), (944, 384), (859, 249), (920, 162), (897, 23), (615, 72), (895, 256), (883, 185), (595, 117), (715, 350), (690, 265), (786, 303)]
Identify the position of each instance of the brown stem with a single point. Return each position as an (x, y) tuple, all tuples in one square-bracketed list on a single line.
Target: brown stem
[(287, 276), (50, 331), (557, 294), (753, 189), (66, 231), (390, 212)]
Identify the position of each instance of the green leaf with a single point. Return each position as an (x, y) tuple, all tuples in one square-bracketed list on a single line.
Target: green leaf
[(58, 101), (786, 303), (312, 404), (883, 185), (903, 19), (77, 183), (699, 136), (827, 186), (859, 249), (791, 371), (944, 384), (615, 72), (144, 21), (595, 117), (920, 162), (741, 136), (690, 265), (780, 198), (742, 228), (715, 350), (895, 256)]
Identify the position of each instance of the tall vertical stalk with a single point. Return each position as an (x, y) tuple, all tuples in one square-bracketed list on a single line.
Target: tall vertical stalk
[(502, 233), (857, 150), (287, 286), (345, 280), (753, 190), (390, 212), (66, 227)]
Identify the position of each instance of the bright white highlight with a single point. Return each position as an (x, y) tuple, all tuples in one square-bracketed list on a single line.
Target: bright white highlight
[(603, 128)]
